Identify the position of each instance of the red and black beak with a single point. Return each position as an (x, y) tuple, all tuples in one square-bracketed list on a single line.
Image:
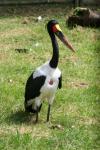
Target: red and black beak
[(60, 35)]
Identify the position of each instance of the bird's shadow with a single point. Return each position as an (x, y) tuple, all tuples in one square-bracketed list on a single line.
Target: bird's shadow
[(20, 117)]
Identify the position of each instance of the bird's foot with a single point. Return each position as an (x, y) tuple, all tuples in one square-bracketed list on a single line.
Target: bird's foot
[(49, 124), (55, 126)]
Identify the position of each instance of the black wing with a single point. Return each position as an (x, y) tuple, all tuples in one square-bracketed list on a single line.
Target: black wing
[(33, 87), (60, 82)]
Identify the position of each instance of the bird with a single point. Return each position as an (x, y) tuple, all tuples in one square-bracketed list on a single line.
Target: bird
[(43, 83)]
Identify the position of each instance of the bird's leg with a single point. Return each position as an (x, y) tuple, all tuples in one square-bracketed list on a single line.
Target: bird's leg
[(37, 116), (37, 107), (48, 114)]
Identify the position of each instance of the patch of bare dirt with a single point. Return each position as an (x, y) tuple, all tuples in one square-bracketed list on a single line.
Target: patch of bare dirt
[(33, 10), (88, 121), (79, 84), (36, 130), (15, 32)]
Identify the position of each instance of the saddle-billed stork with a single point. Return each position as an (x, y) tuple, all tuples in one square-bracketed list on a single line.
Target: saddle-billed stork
[(46, 79)]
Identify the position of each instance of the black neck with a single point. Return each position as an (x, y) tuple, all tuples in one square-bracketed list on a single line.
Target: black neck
[(55, 57)]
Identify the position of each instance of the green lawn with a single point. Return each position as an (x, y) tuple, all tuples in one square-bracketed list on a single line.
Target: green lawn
[(76, 106)]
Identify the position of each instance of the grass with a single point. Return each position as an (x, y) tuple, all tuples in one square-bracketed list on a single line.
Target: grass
[(76, 106)]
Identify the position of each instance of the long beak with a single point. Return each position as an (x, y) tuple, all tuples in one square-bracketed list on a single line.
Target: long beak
[(64, 39)]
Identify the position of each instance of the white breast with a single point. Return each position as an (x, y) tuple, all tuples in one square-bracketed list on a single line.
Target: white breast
[(50, 86), (52, 79)]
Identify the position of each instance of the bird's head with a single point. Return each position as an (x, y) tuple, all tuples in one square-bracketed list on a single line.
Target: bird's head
[(53, 27)]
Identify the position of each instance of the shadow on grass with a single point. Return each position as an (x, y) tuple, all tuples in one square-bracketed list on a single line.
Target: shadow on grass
[(20, 117)]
